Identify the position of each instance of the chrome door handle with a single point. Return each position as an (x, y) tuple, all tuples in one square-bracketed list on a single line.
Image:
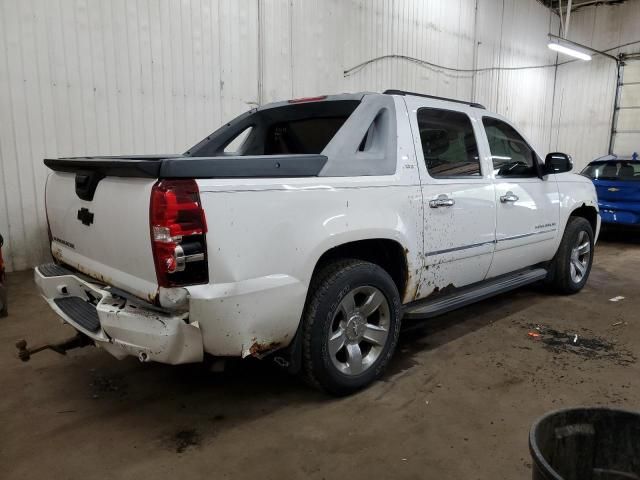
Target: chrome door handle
[(509, 197), (442, 201)]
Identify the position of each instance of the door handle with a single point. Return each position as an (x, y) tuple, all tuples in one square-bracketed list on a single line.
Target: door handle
[(442, 201), (509, 197)]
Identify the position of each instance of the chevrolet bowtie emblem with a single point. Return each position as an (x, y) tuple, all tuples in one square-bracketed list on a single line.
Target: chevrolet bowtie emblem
[(85, 216), (614, 189)]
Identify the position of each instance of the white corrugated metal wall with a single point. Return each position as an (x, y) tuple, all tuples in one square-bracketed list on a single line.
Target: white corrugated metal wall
[(82, 77), (626, 137), (585, 91)]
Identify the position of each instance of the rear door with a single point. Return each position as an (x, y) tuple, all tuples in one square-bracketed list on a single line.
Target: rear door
[(528, 206), (458, 195)]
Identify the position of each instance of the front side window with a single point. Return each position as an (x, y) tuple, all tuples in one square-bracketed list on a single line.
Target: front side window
[(448, 143), (511, 155)]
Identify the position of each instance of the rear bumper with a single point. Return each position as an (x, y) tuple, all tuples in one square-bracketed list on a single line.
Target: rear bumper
[(123, 327)]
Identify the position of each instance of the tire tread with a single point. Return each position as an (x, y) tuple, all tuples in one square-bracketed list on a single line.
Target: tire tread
[(561, 276), (321, 283)]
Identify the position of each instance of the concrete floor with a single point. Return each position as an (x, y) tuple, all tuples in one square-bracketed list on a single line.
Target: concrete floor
[(456, 403)]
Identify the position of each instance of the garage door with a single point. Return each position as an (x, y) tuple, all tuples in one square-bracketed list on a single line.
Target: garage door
[(626, 134)]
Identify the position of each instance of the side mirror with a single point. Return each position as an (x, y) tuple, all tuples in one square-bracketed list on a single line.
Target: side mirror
[(557, 162)]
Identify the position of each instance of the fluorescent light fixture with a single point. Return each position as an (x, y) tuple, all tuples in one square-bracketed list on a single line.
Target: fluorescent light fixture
[(568, 48)]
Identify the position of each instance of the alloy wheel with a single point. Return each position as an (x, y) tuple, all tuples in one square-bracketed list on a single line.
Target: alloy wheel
[(359, 330), (580, 257)]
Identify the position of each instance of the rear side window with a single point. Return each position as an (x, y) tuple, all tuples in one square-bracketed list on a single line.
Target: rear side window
[(614, 170), (235, 145), (511, 155), (448, 143)]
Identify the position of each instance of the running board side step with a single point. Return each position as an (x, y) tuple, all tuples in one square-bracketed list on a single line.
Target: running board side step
[(430, 308)]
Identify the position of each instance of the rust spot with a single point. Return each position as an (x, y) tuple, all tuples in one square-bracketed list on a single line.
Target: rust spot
[(407, 280), (90, 273), (259, 348), (154, 297), (57, 253), (441, 292), (416, 294)]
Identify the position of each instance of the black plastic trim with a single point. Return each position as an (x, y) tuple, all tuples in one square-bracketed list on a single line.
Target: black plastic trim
[(260, 166), (53, 270), (432, 306), (244, 166), (86, 184), (145, 167), (80, 311)]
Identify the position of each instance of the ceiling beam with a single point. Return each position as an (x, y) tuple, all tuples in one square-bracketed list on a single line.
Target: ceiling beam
[(555, 4)]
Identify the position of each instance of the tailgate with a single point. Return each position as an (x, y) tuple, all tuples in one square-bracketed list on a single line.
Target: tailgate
[(107, 236)]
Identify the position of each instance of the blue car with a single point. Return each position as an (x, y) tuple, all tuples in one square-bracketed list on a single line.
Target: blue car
[(617, 181)]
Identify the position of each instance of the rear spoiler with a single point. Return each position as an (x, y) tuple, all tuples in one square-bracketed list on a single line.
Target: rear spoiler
[(179, 166)]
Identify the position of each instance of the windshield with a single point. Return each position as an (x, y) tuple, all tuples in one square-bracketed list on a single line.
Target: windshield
[(613, 170)]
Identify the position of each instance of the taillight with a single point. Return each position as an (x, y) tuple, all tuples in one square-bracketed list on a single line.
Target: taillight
[(178, 229)]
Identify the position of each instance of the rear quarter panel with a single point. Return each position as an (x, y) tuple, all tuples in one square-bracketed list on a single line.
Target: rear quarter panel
[(264, 242), (266, 236)]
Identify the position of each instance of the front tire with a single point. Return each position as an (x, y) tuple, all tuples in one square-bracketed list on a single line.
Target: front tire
[(350, 326), (572, 264)]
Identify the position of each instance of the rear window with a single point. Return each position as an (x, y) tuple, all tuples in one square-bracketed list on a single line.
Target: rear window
[(613, 170), (302, 128), (309, 135)]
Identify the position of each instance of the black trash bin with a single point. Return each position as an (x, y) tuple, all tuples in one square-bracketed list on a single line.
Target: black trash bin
[(586, 444)]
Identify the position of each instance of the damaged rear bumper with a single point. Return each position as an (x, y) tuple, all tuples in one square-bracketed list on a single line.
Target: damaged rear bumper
[(122, 326)]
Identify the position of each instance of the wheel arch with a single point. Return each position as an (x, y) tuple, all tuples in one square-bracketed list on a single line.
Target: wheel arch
[(387, 253), (588, 212), (558, 275)]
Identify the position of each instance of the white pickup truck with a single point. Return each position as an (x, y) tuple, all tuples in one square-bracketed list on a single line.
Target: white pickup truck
[(306, 230)]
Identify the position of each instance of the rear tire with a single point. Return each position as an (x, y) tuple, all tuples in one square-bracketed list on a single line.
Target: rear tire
[(350, 326), (571, 266)]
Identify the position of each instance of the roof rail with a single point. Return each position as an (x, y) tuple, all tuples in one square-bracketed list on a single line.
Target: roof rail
[(402, 92)]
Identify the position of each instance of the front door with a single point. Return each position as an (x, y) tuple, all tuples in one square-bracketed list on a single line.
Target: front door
[(458, 196), (527, 206)]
